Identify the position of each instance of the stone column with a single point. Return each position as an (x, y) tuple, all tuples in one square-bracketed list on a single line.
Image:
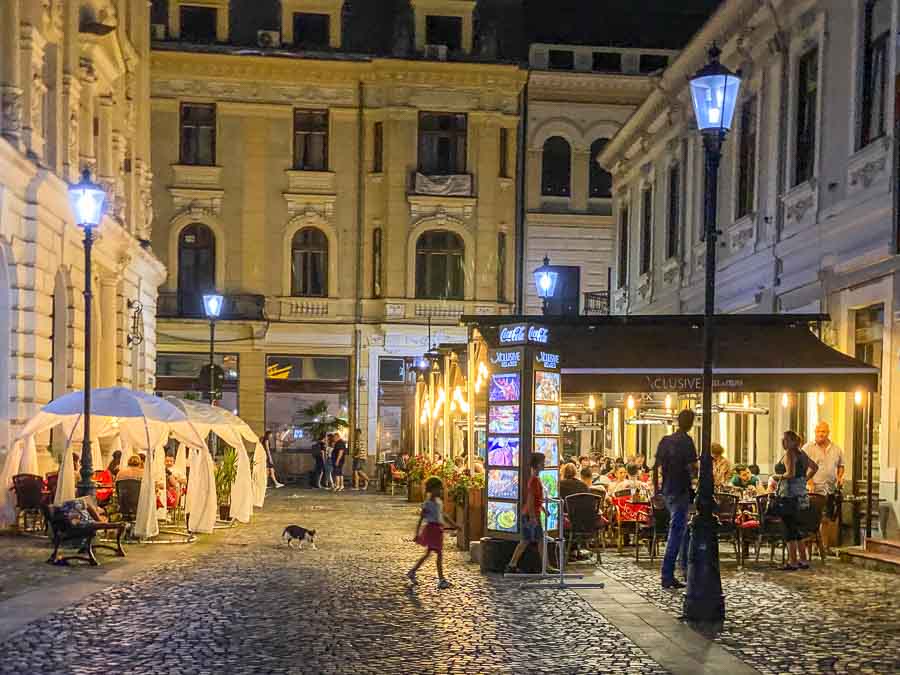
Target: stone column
[(109, 315), (10, 75), (103, 140), (33, 89), (87, 151), (71, 125), (533, 161)]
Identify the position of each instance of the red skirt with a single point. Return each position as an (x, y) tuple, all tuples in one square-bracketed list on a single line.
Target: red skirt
[(431, 537)]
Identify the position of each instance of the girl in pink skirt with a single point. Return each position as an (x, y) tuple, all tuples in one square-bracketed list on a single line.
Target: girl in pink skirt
[(432, 535)]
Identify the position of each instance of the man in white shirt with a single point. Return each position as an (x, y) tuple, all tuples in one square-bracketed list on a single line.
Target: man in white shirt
[(829, 477)]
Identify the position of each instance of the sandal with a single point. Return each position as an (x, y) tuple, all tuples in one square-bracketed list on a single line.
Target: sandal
[(787, 568)]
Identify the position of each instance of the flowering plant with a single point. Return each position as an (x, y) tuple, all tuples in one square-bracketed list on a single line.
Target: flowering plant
[(464, 482)]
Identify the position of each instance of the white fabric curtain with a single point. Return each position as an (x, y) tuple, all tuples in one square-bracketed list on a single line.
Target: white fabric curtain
[(29, 461), (8, 498), (242, 489), (260, 475), (146, 524), (179, 469), (65, 484), (201, 505), (159, 480)]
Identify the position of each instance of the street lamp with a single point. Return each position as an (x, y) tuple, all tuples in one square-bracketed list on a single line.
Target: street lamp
[(88, 201), (212, 305), (546, 279), (714, 91)]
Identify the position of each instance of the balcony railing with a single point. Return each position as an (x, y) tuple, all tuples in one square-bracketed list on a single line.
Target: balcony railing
[(236, 307), (596, 302)]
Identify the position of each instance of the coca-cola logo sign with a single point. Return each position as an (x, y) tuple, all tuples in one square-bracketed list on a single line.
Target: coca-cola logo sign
[(519, 334)]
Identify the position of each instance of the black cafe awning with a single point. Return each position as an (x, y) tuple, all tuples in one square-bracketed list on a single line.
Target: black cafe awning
[(752, 353)]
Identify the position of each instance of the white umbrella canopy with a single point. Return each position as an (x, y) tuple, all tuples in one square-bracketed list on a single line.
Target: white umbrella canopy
[(208, 418), (201, 505), (141, 419), (21, 458)]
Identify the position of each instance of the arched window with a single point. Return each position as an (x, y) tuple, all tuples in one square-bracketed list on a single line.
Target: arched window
[(196, 267), (556, 170), (601, 179), (440, 265), (309, 263)]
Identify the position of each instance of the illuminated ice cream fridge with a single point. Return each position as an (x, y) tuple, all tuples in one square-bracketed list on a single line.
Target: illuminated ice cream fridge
[(522, 418)]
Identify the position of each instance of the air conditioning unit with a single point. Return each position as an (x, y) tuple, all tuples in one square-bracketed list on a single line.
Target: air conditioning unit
[(268, 38), (158, 31), (436, 52)]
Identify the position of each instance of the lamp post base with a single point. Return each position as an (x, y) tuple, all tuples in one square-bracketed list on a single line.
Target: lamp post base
[(704, 600)]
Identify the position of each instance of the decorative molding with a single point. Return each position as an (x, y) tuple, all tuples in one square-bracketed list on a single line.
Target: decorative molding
[(311, 206), (620, 301), (800, 204), (868, 165), (422, 207), (198, 203), (395, 310), (645, 286), (742, 233), (311, 182), (671, 272)]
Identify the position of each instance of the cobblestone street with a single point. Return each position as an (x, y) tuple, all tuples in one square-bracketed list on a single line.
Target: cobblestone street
[(248, 604), (245, 603)]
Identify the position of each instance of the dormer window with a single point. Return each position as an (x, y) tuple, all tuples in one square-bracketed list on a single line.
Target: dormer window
[(561, 59), (198, 24), (202, 21), (444, 30), (311, 24)]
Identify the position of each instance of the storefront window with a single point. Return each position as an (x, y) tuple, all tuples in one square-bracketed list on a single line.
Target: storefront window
[(391, 370), (178, 375), (285, 418)]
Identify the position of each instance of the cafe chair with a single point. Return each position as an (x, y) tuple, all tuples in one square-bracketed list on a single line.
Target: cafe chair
[(397, 478), (811, 521), (29, 500), (104, 486), (50, 491), (628, 515), (770, 530), (656, 530), (728, 529), (585, 522), (128, 492)]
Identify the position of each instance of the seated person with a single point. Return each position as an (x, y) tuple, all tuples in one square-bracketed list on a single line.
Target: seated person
[(613, 475), (133, 471), (115, 463), (619, 475), (587, 477), (773, 482), (82, 511), (569, 485), (478, 466), (631, 482), (743, 478)]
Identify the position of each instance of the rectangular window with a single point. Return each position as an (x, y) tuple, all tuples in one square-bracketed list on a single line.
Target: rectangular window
[(501, 267), (198, 134), (378, 147), (376, 262), (607, 62), (198, 24), (311, 140), (673, 222), (746, 179), (559, 59), (623, 247), (391, 369), (442, 143), (504, 152), (297, 368), (807, 109), (646, 229), (444, 30), (877, 26), (312, 30), (650, 63)]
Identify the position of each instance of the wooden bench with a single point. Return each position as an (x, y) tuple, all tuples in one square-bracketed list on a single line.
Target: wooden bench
[(63, 531)]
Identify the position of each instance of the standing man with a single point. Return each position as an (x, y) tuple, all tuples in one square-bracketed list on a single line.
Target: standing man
[(532, 507), (827, 481), (359, 461), (677, 457), (338, 455)]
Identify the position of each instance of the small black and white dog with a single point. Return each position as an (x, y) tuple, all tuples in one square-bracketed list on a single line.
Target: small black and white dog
[(299, 534)]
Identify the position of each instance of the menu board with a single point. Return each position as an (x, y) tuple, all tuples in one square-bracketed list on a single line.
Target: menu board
[(546, 419), (503, 419), (503, 483), (503, 451), (505, 387), (503, 516)]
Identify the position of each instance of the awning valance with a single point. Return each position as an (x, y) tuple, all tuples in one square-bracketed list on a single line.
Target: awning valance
[(762, 353)]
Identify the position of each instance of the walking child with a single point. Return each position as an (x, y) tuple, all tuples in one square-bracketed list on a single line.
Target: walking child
[(432, 535)]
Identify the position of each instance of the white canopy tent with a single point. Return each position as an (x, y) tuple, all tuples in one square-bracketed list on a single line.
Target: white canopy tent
[(234, 431), (21, 458), (141, 420)]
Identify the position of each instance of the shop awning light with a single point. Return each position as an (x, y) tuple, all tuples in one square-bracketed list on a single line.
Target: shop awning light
[(740, 408), (785, 400), (821, 398), (629, 403), (592, 402), (668, 402), (858, 397)]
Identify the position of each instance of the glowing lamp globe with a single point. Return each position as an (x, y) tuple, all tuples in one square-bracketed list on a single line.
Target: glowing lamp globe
[(714, 91), (212, 305), (88, 201), (546, 279)]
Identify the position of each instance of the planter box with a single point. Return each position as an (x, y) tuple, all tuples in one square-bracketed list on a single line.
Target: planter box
[(224, 512), (470, 518), (415, 491)]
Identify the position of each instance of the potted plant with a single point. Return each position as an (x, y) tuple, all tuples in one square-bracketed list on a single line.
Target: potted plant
[(418, 469), (226, 472), (468, 498)]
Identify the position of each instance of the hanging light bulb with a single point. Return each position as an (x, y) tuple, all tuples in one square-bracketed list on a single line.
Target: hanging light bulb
[(746, 401), (785, 400), (821, 398), (858, 398), (592, 403), (630, 402), (668, 402)]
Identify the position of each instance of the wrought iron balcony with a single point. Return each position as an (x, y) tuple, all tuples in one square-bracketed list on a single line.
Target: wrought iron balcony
[(596, 302), (237, 306)]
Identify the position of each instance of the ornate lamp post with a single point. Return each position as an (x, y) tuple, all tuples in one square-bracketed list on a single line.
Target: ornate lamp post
[(212, 306), (714, 91), (88, 201), (546, 280)]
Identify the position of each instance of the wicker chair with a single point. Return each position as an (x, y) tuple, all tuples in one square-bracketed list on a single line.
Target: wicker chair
[(29, 500)]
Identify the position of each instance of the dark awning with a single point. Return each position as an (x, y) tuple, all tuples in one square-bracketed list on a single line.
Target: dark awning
[(753, 353)]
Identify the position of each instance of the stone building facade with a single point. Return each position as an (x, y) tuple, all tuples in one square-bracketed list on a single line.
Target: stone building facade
[(806, 204), (347, 203), (74, 86)]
